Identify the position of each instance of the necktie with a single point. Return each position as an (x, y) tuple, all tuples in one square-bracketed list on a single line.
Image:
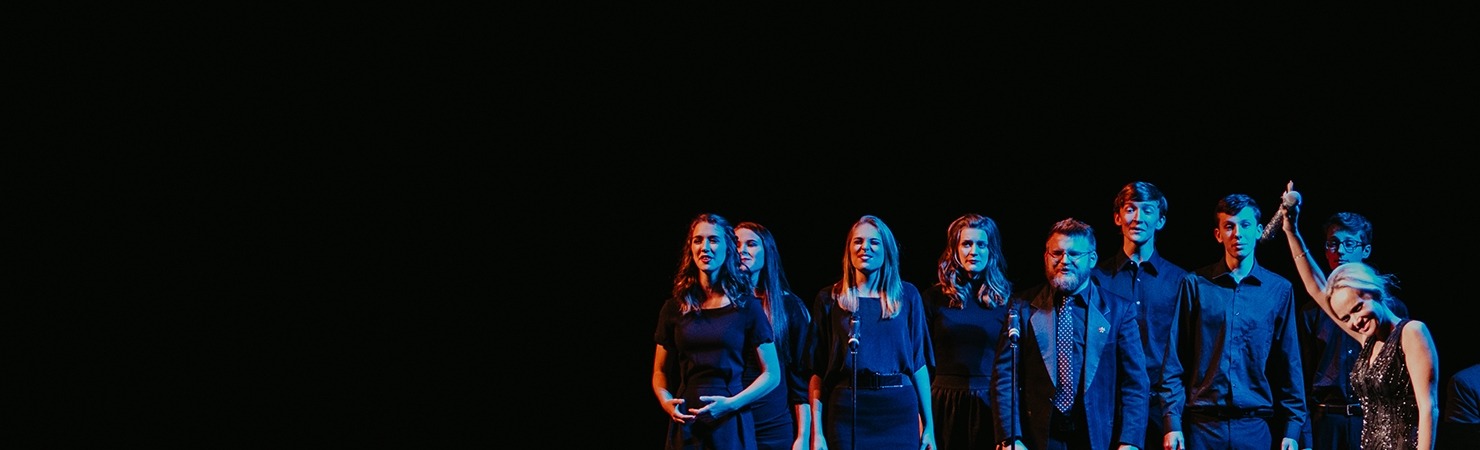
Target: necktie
[(1064, 397)]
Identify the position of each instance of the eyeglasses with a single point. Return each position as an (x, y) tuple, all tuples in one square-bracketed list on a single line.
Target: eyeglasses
[(1347, 246), (1058, 255)]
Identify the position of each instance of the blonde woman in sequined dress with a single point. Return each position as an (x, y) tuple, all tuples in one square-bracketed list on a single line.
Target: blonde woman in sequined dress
[(1396, 374)]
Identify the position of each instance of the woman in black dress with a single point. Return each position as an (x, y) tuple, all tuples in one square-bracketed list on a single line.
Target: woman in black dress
[(870, 387), (703, 331), (778, 413), (966, 315), (1396, 374)]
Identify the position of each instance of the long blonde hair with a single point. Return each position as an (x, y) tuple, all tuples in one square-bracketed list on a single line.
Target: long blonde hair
[(887, 279)]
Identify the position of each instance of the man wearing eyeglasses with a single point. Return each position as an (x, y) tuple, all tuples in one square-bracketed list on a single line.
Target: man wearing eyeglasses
[(1233, 371), (1080, 365), (1335, 412)]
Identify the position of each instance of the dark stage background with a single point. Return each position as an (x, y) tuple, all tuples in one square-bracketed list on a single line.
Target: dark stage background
[(429, 300), (432, 302), (427, 295), (416, 233)]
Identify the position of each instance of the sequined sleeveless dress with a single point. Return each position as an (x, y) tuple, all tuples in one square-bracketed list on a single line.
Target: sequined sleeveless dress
[(1389, 408)]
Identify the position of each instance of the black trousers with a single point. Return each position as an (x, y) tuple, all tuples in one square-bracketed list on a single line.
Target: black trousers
[(1214, 433), (1068, 430)]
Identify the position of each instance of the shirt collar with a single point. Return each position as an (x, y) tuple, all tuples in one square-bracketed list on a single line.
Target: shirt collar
[(1123, 262), (1221, 271), (1080, 299)]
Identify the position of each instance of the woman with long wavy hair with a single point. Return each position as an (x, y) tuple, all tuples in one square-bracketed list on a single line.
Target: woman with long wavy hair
[(703, 331), (966, 315)]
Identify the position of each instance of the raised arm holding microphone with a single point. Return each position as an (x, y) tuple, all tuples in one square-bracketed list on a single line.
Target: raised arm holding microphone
[(1391, 380), (1328, 356)]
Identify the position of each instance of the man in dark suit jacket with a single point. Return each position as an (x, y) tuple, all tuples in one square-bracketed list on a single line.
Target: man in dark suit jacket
[(1080, 370)]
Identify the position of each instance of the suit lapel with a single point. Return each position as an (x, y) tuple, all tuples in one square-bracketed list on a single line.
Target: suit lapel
[(1095, 336), (1043, 331)]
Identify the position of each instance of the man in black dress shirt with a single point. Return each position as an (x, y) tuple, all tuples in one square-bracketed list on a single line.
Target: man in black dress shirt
[(1139, 273), (1233, 366)]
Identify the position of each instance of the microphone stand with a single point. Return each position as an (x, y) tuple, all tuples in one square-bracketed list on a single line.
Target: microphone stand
[(1013, 319), (853, 353)]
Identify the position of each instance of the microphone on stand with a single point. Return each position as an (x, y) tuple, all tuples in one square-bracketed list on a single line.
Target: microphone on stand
[(1014, 330), (1013, 327), (853, 333), (853, 350)]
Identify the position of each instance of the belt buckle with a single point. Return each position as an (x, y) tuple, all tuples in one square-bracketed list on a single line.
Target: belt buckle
[(1354, 409)]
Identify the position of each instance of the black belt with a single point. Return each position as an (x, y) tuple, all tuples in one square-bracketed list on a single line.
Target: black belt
[(1229, 412), (1354, 409), (870, 380)]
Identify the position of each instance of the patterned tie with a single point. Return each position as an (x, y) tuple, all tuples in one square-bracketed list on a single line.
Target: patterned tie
[(1064, 397)]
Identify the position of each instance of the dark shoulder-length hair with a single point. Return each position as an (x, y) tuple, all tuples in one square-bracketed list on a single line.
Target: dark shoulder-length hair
[(993, 288), (729, 279)]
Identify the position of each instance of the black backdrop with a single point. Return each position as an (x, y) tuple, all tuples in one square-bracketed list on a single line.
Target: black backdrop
[(439, 307), (425, 233), (424, 296)]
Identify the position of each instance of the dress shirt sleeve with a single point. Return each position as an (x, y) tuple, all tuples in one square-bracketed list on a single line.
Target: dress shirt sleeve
[(1179, 345), (1287, 370)]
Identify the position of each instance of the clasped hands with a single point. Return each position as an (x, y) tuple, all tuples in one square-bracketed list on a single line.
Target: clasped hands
[(717, 406)]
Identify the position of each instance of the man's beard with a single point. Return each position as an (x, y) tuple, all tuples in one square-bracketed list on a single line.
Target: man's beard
[(1066, 282)]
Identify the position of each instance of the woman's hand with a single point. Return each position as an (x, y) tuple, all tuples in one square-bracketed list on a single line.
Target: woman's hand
[(716, 406), (675, 411)]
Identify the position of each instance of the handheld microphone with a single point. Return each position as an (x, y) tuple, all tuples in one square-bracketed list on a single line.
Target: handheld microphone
[(853, 333), (1013, 331), (1290, 199)]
